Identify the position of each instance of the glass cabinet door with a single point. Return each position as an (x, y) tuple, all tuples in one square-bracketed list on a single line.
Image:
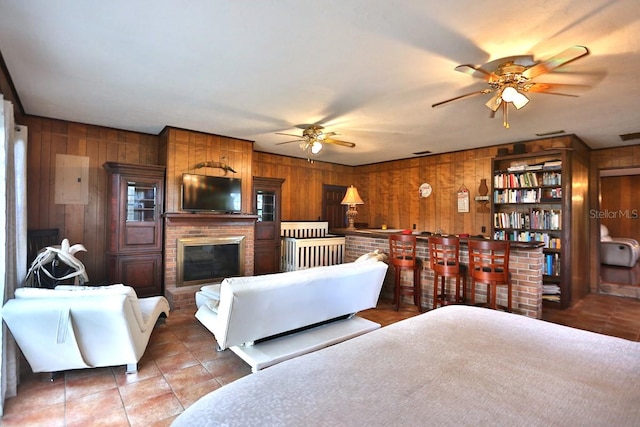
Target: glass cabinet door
[(141, 201), (266, 206)]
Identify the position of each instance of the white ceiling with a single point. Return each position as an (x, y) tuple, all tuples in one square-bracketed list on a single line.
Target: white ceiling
[(368, 69)]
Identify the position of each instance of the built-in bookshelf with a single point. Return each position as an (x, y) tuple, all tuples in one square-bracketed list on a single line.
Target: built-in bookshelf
[(532, 201)]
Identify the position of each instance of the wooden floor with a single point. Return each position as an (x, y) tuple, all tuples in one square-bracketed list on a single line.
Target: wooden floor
[(181, 365)]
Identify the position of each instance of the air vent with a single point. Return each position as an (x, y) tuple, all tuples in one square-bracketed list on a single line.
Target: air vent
[(554, 132), (420, 153), (630, 136)]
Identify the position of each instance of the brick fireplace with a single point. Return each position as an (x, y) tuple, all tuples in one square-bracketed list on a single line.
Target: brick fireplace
[(195, 226)]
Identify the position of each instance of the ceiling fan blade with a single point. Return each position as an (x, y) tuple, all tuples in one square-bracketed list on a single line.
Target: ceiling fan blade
[(495, 101), (338, 142), (568, 55), (551, 87), (287, 142), (559, 93), (468, 95), (474, 71), (288, 134)]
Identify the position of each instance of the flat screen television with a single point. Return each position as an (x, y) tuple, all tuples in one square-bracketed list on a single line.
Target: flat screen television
[(202, 193)]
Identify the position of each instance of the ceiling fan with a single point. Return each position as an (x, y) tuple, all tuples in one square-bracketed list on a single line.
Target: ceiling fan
[(512, 78), (313, 139)]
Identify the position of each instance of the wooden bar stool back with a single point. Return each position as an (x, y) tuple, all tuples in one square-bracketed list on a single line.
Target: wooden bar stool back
[(444, 261), (402, 255), (489, 264)]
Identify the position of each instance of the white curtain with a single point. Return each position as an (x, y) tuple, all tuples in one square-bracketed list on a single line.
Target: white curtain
[(13, 243)]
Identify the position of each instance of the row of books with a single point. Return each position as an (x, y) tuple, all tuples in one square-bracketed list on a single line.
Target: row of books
[(547, 165), (551, 265), (542, 219), (550, 242), (537, 219), (517, 196), (526, 179), (531, 195)]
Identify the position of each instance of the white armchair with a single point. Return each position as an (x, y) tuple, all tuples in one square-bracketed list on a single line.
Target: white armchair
[(75, 327)]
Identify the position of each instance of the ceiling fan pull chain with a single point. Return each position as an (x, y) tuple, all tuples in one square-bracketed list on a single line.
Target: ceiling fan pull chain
[(505, 114)]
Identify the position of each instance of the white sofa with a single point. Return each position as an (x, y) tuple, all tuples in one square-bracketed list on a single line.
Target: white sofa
[(618, 251), (75, 327), (300, 311)]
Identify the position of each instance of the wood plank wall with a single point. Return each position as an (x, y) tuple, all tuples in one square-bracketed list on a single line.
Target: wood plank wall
[(181, 150), (302, 186), (390, 192), (84, 224), (619, 205)]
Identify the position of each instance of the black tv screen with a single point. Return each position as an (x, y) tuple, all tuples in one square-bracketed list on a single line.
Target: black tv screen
[(202, 193)]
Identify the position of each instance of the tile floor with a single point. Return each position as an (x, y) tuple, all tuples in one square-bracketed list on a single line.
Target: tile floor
[(181, 365)]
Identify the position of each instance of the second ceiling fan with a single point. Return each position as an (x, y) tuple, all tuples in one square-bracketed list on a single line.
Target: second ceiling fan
[(513, 77)]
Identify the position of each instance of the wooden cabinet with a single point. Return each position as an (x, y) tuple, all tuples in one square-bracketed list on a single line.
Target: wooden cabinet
[(542, 196), (266, 204), (135, 229)]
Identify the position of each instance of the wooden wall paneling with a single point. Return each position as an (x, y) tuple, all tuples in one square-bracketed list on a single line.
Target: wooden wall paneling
[(467, 174), (426, 174), (74, 215), (441, 188), (79, 223), (414, 199), (45, 204), (619, 195), (57, 215), (301, 178), (185, 149), (93, 221), (34, 193)]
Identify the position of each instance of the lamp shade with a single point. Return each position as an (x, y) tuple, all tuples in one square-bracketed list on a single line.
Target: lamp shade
[(316, 146), (520, 101), (352, 197), (509, 94)]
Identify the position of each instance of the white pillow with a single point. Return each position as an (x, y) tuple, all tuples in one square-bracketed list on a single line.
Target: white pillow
[(372, 256)]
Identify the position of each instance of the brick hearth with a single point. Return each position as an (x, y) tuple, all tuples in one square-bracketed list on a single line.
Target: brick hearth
[(179, 225)]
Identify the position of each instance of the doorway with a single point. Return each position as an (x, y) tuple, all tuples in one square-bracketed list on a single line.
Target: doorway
[(332, 211), (620, 213)]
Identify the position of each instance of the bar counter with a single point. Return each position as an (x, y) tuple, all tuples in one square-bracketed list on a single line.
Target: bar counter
[(525, 265)]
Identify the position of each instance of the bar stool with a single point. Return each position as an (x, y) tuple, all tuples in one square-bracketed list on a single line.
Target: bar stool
[(402, 254), (489, 264), (444, 261)]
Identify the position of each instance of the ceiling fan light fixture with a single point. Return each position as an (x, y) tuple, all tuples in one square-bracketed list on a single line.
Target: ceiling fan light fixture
[(512, 95), (509, 93), (316, 146), (520, 101)]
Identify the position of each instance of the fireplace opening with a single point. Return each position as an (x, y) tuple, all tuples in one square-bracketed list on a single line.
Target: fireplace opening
[(208, 259)]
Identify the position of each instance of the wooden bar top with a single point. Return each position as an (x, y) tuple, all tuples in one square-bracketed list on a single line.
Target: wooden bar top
[(424, 235)]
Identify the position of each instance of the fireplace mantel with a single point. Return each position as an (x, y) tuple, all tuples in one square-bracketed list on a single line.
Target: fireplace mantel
[(178, 219)]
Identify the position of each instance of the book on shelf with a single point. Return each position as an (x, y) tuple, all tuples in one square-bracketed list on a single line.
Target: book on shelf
[(550, 289), (517, 168), (551, 265), (552, 164)]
